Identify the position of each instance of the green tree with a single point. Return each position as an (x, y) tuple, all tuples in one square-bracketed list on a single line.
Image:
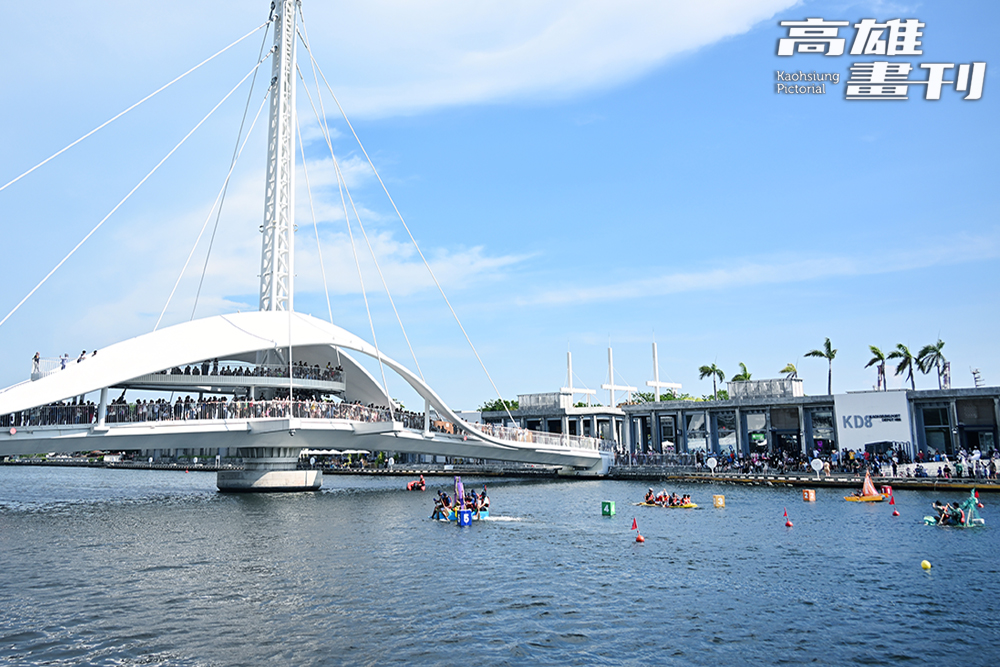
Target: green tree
[(715, 372), (743, 375), (827, 353), (498, 405), (877, 360), (906, 362), (643, 397), (930, 356), (791, 370)]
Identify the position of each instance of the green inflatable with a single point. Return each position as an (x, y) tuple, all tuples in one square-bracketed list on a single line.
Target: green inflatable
[(960, 515)]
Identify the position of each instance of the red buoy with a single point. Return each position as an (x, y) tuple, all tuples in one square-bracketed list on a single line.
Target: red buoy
[(639, 538), (788, 524), (895, 512)]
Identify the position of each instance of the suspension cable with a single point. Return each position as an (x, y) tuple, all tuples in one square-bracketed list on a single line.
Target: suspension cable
[(158, 90), (126, 198), (410, 234), (364, 294), (225, 185), (325, 129), (312, 209), (225, 189)]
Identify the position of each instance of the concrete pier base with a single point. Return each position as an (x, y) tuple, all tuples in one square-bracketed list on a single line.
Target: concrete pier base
[(269, 469), (252, 481)]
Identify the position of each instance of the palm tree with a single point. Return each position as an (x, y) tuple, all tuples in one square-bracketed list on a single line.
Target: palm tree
[(743, 375), (906, 362), (827, 353), (792, 371), (929, 357), (878, 360), (715, 372)]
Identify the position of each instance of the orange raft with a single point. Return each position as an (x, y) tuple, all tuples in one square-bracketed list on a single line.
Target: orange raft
[(867, 494)]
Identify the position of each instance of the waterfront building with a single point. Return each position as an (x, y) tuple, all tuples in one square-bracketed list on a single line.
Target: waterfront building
[(555, 412), (773, 416)]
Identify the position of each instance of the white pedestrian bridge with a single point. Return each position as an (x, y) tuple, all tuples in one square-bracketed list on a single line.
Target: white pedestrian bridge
[(222, 411)]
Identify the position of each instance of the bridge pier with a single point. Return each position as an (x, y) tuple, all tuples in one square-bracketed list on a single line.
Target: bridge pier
[(269, 469)]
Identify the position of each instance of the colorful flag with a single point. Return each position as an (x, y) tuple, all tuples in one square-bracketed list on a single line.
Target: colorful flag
[(634, 526)]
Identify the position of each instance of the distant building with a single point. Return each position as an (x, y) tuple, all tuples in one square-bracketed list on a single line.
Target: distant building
[(555, 413), (770, 416)]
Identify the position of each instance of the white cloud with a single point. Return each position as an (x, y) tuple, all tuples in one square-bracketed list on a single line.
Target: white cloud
[(953, 250), (405, 56)]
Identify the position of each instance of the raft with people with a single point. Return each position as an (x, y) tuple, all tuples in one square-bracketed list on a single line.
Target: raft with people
[(666, 501), (417, 485), (447, 509), (959, 515), (867, 494)]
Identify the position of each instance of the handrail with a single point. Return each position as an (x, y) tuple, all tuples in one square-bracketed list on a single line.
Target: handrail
[(223, 410), (543, 438)]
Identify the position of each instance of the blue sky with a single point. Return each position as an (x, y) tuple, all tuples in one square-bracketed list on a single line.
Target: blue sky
[(577, 172)]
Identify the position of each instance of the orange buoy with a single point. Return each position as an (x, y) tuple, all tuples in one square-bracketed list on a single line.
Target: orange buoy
[(639, 538)]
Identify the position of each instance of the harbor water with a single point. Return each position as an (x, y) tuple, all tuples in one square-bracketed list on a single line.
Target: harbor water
[(123, 567)]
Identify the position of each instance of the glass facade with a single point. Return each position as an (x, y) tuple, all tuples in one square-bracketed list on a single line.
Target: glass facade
[(937, 430), (668, 435), (697, 431), (824, 433), (725, 424), (757, 432)]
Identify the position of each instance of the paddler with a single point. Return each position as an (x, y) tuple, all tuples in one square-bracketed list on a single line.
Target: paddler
[(650, 499)]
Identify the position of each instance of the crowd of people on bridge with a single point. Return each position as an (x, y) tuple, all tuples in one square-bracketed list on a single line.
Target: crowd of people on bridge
[(121, 411), (300, 370)]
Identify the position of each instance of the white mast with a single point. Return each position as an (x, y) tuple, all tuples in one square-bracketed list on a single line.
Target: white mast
[(656, 384), (277, 252)]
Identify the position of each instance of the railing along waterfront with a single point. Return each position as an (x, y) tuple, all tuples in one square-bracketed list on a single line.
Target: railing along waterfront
[(547, 439), (163, 411)]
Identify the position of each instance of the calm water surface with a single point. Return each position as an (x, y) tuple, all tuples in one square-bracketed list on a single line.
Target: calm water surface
[(115, 567)]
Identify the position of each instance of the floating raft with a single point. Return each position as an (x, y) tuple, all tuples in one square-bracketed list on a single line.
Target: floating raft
[(868, 493), (452, 515), (686, 506)]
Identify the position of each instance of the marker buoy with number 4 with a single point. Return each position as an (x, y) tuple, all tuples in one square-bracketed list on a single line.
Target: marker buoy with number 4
[(638, 536), (892, 501), (788, 522)]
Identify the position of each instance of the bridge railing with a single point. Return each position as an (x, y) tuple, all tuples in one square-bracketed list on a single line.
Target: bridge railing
[(163, 411), (214, 370), (152, 411), (547, 439)]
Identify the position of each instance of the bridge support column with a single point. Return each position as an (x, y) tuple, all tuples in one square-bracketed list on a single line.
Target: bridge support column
[(102, 408), (269, 469)]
